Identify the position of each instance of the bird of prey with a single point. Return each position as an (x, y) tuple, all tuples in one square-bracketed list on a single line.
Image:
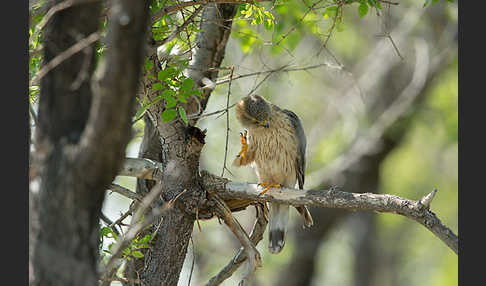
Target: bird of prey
[(274, 144)]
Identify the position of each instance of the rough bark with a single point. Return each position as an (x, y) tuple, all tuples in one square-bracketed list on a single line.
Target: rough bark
[(81, 137), (178, 147)]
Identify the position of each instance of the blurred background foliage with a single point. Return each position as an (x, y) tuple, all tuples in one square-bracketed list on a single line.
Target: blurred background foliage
[(346, 73)]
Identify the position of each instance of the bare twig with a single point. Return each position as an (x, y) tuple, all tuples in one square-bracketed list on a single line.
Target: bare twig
[(300, 20), (59, 7), (125, 192), (119, 279), (254, 259), (108, 221), (179, 29), (177, 7), (131, 209), (388, 2), (386, 32), (280, 69), (227, 122), (256, 236), (138, 225), (339, 10), (142, 168), (426, 200), (266, 77), (64, 56), (83, 73), (211, 113)]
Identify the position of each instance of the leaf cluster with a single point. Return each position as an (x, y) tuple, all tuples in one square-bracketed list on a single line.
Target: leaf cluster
[(133, 250)]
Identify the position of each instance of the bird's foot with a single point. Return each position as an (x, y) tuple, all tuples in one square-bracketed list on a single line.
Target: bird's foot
[(244, 144), (268, 186)]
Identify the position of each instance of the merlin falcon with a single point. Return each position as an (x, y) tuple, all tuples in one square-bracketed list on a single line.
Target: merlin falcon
[(274, 144)]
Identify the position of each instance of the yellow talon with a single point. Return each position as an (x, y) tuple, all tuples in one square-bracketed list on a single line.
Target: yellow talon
[(244, 145), (268, 186)]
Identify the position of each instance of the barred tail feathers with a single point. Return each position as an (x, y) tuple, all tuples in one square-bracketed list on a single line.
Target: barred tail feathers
[(279, 216)]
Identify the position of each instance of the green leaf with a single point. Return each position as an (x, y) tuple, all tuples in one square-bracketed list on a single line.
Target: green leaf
[(183, 114), (182, 97), (168, 95), (146, 238), (106, 230), (137, 254), (268, 24), (169, 115), (187, 84), (157, 86), (149, 65), (374, 3), (197, 92), (141, 110), (362, 10), (126, 251), (166, 73), (269, 15)]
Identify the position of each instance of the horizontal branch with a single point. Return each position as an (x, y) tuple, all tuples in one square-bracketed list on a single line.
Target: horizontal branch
[(228, 190), (141, 168), (383, 203)]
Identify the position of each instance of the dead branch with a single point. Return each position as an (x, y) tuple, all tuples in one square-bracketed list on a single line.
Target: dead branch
[(141, 168), (125, 192), (256, 236), (227, 122), (383, 203), (415, 210), (252, 254)]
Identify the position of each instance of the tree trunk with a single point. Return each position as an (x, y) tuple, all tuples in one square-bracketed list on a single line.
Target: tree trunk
[(81, 137), (179, 150)]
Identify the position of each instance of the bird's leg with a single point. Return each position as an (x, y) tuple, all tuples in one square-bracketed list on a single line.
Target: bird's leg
[(268, 186), (244, 145)]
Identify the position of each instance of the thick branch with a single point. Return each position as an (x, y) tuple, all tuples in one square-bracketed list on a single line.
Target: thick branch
[(344, 200), (414, 210), (141, 168)]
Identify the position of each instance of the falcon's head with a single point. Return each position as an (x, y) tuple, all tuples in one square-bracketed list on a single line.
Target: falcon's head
[(254, 111)]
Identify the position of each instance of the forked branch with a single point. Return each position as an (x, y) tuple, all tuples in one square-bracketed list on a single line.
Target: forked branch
[(255, 237), (252, 254), (418, 211)]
